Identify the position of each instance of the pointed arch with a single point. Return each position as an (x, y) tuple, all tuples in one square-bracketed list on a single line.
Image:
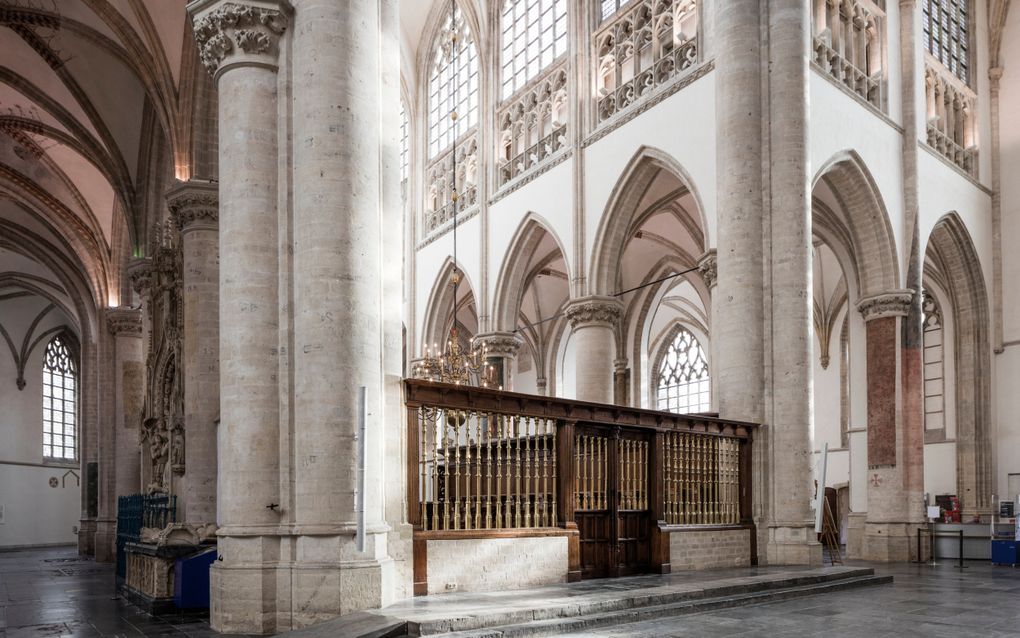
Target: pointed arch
[(622, 215), (952, 259), (858, 225), (514, 274), (440, 310)]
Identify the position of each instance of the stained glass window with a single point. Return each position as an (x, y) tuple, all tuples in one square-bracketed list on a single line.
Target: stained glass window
[(945, 27), (453, 84), (60, 391), (684, 385), (534, 34)]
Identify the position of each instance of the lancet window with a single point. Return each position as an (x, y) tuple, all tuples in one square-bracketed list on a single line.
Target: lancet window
[(60, 411), (534, 34), (945, 32), (452, 114), (934, 372), (684, 384), (848, 45), (640, 49)]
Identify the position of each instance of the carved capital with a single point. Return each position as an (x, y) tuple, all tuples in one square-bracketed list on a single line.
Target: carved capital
[(124, 321), (142, 276), (594, 310), (708, 266), (886, 304), (500, 344), (245, 32), (194, 205)]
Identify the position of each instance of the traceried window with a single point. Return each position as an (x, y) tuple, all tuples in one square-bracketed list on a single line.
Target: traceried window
[(609, 7), (934, 384), (404, 141), (945, 26), (453, 84), (534, 34), (683, 376), (60, 388)]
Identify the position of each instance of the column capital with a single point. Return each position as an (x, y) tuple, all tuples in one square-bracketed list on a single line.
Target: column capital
[(500, 344), (124, 321), (594, 310), (239, 32), (142, 275), (708, 266), (194, 205), (886, 304)]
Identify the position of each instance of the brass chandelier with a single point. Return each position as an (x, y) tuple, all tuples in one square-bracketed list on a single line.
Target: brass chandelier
[(455, 364)]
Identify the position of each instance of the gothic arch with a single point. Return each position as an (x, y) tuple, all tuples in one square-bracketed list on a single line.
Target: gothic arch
[(622, 215), (437, 16), (952, 259), (439, 311), (858, 226), (514, 275)]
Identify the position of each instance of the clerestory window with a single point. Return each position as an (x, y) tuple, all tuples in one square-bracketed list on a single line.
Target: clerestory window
[(534, 34), (945, 26), (684, 384), (453, 84), (60, 414)]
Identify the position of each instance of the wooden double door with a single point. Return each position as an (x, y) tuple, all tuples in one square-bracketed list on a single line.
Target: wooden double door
[(611, 501)]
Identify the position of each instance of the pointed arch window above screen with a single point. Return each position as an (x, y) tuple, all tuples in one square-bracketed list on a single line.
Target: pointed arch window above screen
[(453, 84), (60, 405), (684, 384), (534, 34), (934, 367)]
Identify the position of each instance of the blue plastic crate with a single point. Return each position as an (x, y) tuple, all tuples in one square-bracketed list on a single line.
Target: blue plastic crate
[(1005, 552), (191, 580)]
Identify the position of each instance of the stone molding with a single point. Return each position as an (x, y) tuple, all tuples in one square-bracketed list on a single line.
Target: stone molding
[(708, 266), (194, 205), (594, 310), (500, 344), (142, 275), (124, 321), (886, 304), (238, 33)]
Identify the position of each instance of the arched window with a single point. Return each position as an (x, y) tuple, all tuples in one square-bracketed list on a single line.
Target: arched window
[(934, 390), (534, 34), (453, 84), (945, 26), (60, 415), (683, 376)]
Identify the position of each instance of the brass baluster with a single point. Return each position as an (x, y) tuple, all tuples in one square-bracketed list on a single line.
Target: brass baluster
[(577, 473), (517, 462), (604, 471), (478, 471), (500, 422), (423, 455), (446, 471), (468, 520), (527, 472), (555, 484), (435, 471), (456, 466), (644, 475), (545, 473), (488, 472), (684, 492)]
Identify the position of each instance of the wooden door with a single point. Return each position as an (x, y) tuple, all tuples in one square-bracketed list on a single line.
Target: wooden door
[(611, 474)]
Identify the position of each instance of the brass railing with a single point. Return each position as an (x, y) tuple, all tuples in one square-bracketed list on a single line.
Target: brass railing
[(482, 460)]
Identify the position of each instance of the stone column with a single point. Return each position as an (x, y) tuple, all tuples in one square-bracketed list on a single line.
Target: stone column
[(501, 352), (239, 45), (708, 267), (594, 321), (339, 223), (888, 531), (790, 409), (125, 324), (195, 208)]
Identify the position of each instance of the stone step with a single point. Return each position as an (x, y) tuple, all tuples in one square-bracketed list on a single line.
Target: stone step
[(569, 624)]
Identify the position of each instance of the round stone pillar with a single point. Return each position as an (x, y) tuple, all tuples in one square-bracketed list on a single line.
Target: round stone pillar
[(239, 45), (894, 504), (501, 350), (594, 321), (195, 208), (125, 324)]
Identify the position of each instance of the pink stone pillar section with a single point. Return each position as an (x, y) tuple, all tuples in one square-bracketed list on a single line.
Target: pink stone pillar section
[(881, 367), (195, 207), (594, 321)]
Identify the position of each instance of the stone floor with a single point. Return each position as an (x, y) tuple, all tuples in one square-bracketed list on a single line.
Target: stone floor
[(52, 592)]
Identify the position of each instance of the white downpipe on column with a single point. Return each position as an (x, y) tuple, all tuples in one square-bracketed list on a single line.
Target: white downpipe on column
[(362, 454)]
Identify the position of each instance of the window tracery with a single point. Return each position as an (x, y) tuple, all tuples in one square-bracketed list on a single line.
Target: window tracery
[(684, 384), (533, 126), (934, 372), (534, 34), (641, 49), (952, 117), (848, 45), (60, 415), (945, 33)]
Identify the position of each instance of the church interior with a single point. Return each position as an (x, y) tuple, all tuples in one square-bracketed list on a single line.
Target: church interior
[(509, 317)]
